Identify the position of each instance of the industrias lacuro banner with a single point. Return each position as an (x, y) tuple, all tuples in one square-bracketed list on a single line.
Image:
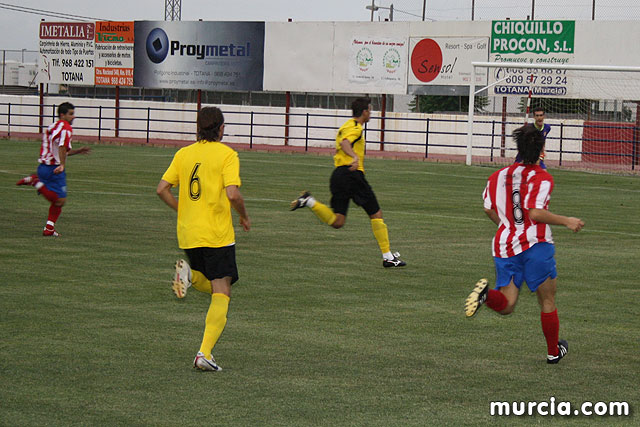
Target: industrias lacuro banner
[(220, 56)]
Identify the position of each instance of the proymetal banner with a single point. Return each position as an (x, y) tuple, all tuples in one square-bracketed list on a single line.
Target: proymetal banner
[(199, 55)]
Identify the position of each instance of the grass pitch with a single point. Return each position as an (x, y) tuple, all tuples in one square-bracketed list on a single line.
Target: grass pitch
[(318, 332)]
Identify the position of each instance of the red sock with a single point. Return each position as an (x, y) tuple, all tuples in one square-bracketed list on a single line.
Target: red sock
[(550, 329), (496, 300), (54, 213), (48, 194)]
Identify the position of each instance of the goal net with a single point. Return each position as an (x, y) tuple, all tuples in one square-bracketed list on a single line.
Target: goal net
[(593, 113)]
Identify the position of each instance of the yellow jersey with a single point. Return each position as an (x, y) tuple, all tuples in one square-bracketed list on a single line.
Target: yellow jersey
[(202, 171), (351, 130)]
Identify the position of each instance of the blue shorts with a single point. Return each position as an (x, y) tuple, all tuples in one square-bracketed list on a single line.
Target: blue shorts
[(534, 266), (54, 182)]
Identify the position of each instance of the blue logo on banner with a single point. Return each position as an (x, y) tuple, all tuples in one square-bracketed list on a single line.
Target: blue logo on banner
[(157, 45)]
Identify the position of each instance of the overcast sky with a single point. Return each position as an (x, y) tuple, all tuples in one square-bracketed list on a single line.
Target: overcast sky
[(19, 30)]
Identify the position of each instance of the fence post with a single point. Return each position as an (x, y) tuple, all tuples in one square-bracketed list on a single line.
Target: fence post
[(148, 122), (426, 142), (635, 154), (41, 108), (251, 132), (493, 138), (306, 134), (99, 122), (9, 121), (561, 135)]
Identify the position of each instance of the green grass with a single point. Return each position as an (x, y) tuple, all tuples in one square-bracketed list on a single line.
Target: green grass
[(318, 332)]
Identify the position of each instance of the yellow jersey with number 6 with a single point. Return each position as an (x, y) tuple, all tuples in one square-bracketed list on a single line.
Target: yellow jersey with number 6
[(202, 171)]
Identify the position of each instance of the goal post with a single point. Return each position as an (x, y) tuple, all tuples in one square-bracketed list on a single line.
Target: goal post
[(593, 110)]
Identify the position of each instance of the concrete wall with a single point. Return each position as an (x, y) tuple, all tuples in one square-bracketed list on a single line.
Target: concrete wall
[(404, 132)]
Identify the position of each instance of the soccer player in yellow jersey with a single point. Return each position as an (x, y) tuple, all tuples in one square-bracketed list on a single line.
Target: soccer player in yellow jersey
[(348, 183), (208, 174)]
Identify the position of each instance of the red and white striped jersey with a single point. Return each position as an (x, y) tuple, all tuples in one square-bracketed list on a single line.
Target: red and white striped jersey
[(57, 135), (511, 192)]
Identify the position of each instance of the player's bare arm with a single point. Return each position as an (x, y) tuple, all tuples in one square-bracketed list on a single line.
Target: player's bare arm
[(237, 201), (62, 151), (546, 217), (348, 149), (493, 216), (164, 192), (82, 150)]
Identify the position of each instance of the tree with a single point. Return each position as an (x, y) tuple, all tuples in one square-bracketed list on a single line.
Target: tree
[(445, 103)]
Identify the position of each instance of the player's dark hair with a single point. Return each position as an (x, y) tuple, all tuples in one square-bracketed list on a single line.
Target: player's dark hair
[(64, 108), (535, 110), (210, 119), (359, 105), (530, 143)]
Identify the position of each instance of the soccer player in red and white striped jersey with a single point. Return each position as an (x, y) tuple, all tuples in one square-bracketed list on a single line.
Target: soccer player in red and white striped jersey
[(51, 180), (516, 199)]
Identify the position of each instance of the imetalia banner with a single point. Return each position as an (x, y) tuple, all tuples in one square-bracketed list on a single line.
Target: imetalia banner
[(66, 53), (222, 56)]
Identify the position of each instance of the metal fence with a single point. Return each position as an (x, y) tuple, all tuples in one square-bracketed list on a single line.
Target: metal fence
[(421, 136)]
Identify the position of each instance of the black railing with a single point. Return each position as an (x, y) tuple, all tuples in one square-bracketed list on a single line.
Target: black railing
[(257, 126)]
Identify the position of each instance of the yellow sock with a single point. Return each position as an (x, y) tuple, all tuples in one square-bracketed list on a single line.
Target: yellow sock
[(381, 234), (324, 212), (200, 283), (216, 320)]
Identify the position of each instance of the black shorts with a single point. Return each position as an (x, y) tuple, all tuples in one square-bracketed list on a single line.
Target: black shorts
[(346, 185), (214, 263)]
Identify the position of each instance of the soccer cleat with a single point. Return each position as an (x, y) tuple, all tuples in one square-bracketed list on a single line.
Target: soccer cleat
[(204, 364), (50, 233), (563, 349), (476, 298), (301, 201), (181, 278), (28, 180), (395, 262)]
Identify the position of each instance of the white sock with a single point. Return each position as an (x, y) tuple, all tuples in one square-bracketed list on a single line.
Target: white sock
[(310, 202), (388, 256)]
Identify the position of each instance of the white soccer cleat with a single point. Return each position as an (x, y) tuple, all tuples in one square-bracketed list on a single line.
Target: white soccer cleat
[(181, 278), (204, 364), (476, 298)]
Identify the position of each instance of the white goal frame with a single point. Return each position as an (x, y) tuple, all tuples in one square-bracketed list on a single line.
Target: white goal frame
[(490, 65)]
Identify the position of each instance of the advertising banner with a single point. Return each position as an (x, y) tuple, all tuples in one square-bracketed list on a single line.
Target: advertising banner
[(446, 60), (378, 63), (66, 53), (114, 53), (220, 56), (532, 42)]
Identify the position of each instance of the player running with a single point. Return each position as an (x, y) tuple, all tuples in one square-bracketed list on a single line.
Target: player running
[(516, 199), (208, 173), (348, 183), (51, 180)]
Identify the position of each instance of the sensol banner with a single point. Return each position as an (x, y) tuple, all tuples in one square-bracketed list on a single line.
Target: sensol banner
[(223, 56), (446, 60), (531, 42)]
